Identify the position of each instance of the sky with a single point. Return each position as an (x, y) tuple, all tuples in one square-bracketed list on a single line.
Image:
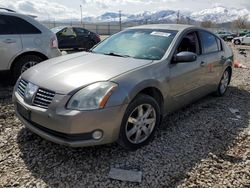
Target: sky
[(61, 9)]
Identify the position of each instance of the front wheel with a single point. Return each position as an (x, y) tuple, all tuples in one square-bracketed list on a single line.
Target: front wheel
[(139, 123), (224, 82)]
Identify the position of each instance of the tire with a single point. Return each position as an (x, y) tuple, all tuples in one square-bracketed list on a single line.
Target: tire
[(224, 83), (237, 42), (136, 132), (23, 64)]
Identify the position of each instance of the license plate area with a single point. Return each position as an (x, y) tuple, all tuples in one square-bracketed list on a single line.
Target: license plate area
[(24, 112)]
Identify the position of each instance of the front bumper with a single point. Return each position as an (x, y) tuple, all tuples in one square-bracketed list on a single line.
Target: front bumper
[(53, 52), (70, 127)]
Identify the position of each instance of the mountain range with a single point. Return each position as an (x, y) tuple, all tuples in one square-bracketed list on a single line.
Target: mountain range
[(217, 14)]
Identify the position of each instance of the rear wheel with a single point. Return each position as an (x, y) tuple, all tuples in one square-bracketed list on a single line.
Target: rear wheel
[(24, 63), (139, 123), (224, 82), (237, 42)]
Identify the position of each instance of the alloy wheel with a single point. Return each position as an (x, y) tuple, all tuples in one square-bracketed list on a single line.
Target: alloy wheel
[(224, 82), (141, 123), (28, 65)]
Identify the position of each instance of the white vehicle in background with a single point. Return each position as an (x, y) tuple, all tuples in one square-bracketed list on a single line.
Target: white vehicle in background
[(24, 42), (242, 40)]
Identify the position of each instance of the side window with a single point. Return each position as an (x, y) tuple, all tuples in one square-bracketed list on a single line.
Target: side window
[(209, 42), (25, 27), (80, 31), (5, 26), (68, 32), (189, 43), (15, 25)]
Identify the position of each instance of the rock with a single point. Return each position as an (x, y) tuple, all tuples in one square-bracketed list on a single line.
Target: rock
[(125, 175)]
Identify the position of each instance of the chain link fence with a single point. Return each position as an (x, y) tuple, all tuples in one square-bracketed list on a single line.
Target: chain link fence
[(109, 28)]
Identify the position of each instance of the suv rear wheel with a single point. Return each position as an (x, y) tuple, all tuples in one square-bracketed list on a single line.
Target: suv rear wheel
[(25, 63)]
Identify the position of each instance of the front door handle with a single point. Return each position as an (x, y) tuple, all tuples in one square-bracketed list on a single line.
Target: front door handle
[(9, 41), (202, 64)]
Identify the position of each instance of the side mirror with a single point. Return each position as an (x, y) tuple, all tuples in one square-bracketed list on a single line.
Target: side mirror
[(183, 57)]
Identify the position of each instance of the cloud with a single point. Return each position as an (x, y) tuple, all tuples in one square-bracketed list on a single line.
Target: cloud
[(43, 9), (69, 10)]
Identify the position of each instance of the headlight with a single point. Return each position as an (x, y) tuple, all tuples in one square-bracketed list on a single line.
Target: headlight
[(94, 96)]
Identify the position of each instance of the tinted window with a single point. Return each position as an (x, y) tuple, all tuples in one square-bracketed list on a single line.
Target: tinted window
[(81, 31), (209, 42), (68, 31), (138, 43), (5, 26), (189, 43), (15, 25)]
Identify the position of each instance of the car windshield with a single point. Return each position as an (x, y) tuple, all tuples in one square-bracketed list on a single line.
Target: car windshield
[(149, 44), (56, 29)]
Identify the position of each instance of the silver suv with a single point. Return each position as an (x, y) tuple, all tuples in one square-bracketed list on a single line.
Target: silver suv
[(24, 42)]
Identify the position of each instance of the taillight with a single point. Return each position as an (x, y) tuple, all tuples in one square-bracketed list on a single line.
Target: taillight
[(54, 42)]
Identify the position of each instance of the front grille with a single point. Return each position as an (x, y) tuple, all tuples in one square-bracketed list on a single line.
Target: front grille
[(43, 98), (21, 87)]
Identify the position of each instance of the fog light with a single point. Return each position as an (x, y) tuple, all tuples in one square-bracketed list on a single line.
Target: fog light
[(97, 135)]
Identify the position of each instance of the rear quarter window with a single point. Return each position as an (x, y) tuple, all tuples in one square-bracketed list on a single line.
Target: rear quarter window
[(15, 25)]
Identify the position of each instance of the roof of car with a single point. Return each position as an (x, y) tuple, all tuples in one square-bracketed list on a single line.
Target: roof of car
[(178, 27), (11, 13)]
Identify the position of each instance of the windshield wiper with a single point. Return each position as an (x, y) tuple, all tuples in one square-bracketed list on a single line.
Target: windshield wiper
[(115, 54)]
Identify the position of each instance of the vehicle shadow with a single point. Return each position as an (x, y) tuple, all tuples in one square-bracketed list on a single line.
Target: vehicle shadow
[(185, 138), (6, 85)]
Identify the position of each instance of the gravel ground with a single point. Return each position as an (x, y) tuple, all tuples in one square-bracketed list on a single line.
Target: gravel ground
[(203, 145)]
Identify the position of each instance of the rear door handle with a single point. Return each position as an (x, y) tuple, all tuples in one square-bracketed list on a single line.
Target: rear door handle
[(9, 41), (202, 64)]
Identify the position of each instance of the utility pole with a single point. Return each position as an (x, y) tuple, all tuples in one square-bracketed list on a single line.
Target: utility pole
[(81, 13), (120, 19), (178, 17)]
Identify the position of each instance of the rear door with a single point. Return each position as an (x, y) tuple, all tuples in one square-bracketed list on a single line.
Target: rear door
[(83, 37), (10, 41), (212, 60)]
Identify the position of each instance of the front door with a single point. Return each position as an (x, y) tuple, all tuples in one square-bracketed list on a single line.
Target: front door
[(186, 77), (67, 38)]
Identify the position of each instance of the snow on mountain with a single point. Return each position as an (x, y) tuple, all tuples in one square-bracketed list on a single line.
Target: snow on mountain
[(216, 14), (142, 17), (220, 14)]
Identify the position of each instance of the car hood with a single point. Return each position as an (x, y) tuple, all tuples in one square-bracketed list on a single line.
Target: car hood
[(67, 73)]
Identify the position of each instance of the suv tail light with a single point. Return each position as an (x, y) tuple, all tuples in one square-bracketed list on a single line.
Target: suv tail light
[(53, 42)]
